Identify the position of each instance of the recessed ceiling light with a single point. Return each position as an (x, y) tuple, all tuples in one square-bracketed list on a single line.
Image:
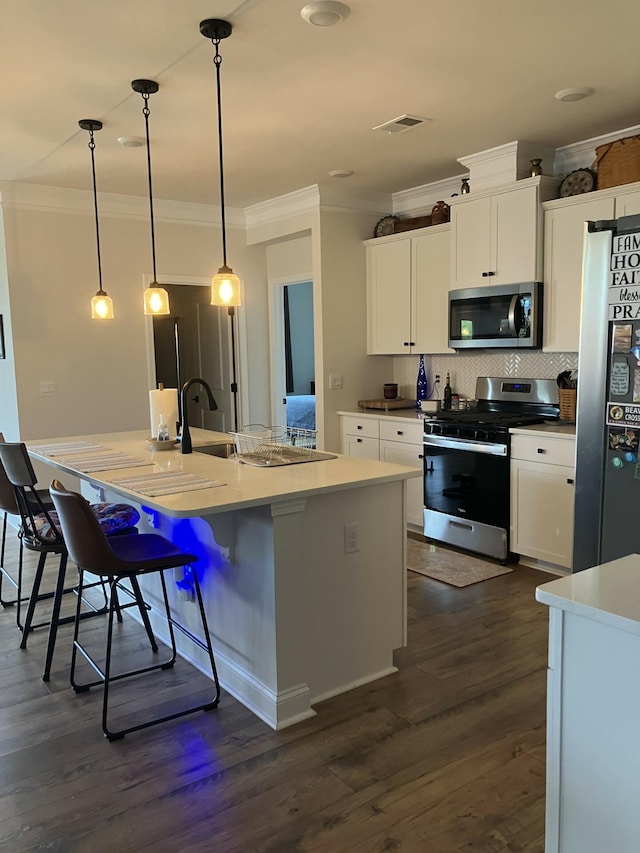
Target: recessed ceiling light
[(574, 94), (131, 141), (341, 173), (325, 13)]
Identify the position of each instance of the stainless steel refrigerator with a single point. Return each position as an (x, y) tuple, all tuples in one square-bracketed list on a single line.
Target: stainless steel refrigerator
[(607, 483)]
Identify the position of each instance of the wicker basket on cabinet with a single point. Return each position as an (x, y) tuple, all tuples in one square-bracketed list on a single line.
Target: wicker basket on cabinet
[(567, 398)]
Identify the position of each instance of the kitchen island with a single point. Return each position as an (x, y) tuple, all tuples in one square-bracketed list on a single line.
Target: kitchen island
[(593, 727), (302, 567)]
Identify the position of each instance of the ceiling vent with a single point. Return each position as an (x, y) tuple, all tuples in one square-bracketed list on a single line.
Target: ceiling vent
[(401, 124)]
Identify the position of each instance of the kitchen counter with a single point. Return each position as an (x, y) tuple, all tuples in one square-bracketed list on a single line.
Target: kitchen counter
[(243, 485), (394, 415), (302, 567), (550, 429), (593, 728), (609, 594)]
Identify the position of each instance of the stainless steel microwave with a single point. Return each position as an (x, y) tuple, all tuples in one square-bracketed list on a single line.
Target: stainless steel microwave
[(505, 316)]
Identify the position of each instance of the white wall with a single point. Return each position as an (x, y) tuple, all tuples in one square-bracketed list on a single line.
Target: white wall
[(8, 397), (99, 369), (344, 318), (334, 236)]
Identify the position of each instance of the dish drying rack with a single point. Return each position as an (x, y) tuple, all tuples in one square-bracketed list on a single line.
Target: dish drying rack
[(274, 445)]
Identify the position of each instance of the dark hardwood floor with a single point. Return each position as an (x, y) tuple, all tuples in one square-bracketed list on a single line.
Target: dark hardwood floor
[(445, 756)]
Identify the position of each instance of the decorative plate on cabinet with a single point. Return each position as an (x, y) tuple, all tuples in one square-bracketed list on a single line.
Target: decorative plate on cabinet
[(580, 181), (385, 226)]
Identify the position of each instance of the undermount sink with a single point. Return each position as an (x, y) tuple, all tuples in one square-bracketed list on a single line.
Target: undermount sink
[(224, 451)]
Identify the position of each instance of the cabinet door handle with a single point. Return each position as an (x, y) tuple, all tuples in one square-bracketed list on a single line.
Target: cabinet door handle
[(412, 343), (359, 440), (420, 455), (569, 481), (485, 274), (541, 450), (399, 432), (490, 273), (358, 426), (407, 344)]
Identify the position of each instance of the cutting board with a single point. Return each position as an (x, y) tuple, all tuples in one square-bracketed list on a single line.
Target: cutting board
[(387, 405)]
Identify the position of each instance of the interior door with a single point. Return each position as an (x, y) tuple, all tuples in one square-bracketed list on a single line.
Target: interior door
[(193, 342)]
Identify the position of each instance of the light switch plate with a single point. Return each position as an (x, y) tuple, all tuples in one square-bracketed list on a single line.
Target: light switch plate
[(335, 381)]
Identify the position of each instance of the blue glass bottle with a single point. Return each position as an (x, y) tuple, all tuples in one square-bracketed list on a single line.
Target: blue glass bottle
[(422, 385)]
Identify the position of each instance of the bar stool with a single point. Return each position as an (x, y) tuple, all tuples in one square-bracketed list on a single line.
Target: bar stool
[(8, 506), (116, 560), (39, 531)]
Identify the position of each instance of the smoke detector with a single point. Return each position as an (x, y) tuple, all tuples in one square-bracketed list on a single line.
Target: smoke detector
[(576, 94), (131, 141), (325, 13), (402, 124)]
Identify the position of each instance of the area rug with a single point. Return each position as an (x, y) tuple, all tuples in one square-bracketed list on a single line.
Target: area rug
[(448, 566)]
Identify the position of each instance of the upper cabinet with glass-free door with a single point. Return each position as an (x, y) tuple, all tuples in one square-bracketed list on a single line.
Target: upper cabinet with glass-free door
[(407, 292), (497, 235), (563, 241)]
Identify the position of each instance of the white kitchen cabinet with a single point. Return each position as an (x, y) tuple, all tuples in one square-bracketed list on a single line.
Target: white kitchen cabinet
[(593, 726), (360, 437), (542, 496), (407, 292), (497, 237), (563, 245), (389, 439), (403, 444)]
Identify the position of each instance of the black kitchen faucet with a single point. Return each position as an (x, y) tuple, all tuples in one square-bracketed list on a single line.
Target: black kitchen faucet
[(185, 435)]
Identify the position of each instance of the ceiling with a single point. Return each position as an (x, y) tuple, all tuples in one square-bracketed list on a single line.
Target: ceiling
[(301, 100)]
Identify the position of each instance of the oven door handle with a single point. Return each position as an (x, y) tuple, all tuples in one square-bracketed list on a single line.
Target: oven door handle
[(467, 444)]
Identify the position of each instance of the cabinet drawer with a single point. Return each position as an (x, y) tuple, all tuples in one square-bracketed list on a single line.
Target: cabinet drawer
[(411, 431), (353, 425), (541, 448)]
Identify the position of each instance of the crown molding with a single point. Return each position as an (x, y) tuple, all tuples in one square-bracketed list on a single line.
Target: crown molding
[(62, 200), (420, 200), (297, 203), (580, 155)]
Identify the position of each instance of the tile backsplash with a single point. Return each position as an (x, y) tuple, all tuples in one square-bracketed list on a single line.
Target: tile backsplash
[(465, 367)]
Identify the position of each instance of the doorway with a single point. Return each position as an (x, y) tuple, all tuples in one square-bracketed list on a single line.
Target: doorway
[(194, 340), (292, 350)]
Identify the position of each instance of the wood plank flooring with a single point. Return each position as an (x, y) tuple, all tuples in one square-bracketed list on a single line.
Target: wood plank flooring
[(445, 756)]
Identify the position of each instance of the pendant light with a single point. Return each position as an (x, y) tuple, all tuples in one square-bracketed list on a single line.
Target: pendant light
[(225, 285), (156, 298), (101, 304)]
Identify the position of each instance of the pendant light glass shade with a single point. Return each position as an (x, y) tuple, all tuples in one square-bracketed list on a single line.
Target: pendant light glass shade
[(225, 288), (156, 298), (101, 304)]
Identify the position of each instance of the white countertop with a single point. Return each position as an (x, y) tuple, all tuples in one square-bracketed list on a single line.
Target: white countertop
[(609, 593), (411, 414), (244, 486), (551, 429)]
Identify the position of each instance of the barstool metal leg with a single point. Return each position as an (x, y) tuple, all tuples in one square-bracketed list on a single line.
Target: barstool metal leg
[(55, 616), (33, 598)]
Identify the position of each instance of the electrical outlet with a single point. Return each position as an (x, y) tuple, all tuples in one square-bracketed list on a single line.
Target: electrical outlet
[(351, 538)]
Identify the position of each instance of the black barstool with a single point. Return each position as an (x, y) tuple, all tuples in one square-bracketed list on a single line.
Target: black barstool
[(39, 531), (8, 506), (115, 560)]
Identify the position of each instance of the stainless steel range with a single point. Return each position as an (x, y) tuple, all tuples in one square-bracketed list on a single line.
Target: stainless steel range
[(466, 462)]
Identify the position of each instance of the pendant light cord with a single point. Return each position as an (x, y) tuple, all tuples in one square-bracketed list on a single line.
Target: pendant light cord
[(145, 113), (92, 146), (217, 61)]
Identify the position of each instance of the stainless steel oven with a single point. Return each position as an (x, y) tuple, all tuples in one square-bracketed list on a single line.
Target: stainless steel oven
[(466, 493), (466, 463)]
